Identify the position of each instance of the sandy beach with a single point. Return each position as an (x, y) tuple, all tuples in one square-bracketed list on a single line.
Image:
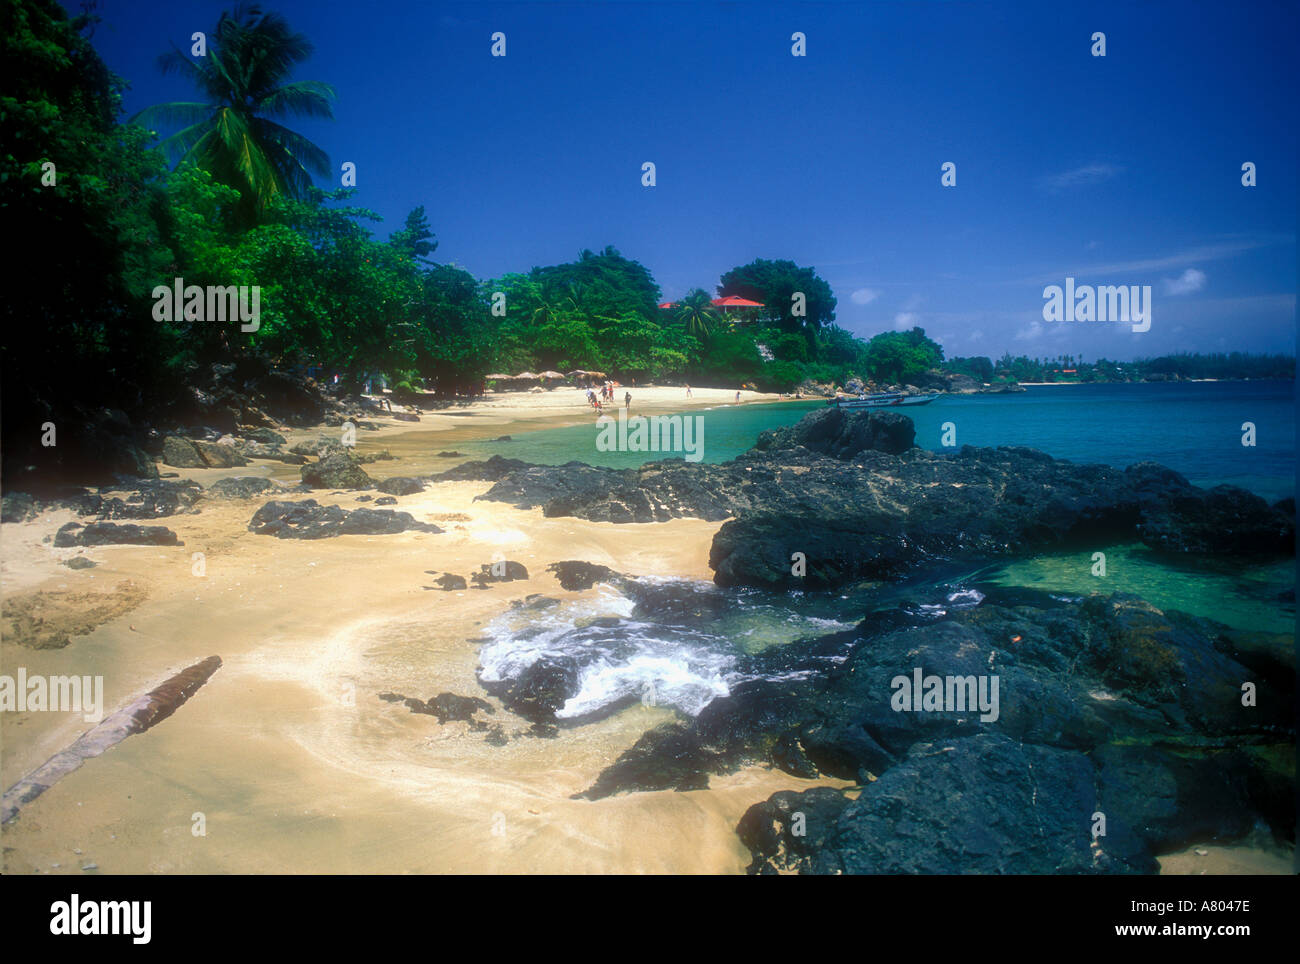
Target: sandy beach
[(289, 758), (288, 753)]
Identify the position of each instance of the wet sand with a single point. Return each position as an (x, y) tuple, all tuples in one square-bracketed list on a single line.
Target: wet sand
[(293, 761)]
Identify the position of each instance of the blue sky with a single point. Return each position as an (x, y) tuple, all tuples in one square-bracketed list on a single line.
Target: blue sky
[(1117, 170)]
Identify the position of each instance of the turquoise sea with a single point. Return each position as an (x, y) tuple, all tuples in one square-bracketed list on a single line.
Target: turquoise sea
[(1194, 428)]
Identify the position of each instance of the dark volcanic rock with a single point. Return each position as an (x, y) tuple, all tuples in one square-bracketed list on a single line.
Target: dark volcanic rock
[(843, 434), (449, 706), (830, 488), (319, 447), (218, 456), (80, 562), (109, 533), (400, 485), (576, 575), (181, 453), (1227, 519), (263, 435), (1174, 799), (1107, 693), (244, 487), (337, 470), (502, 571), (153, 499), (445, 706), (310, 520), (449, 581), (977, 805), (539, 690), (17, 507), (490, 471), (386, 500)]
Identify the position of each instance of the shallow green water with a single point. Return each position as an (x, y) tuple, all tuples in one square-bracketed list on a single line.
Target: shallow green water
[(1193, 428), (1241, 595)]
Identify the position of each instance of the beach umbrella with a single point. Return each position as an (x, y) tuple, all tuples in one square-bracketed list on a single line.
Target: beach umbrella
[(550, 375)]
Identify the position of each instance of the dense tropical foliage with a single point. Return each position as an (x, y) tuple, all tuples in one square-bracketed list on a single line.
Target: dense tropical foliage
[(105, 219)]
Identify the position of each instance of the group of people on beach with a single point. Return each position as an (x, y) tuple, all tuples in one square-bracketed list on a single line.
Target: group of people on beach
[(606, 397)]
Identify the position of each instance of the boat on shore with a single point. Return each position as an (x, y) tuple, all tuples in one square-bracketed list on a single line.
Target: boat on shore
[(881, 400)]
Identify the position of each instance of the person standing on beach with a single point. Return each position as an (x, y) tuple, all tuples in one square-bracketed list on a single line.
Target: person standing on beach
[(627, 402), (737, 398), (688, 392)]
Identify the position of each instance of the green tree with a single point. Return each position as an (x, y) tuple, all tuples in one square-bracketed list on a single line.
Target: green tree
[(697, 314), (413, 240), (898, 356), (774, 284), (232, 133), (80, 197)]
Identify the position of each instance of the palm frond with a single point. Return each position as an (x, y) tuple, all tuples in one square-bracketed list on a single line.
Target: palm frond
[(308, 154), (166, 115), (306, 98)]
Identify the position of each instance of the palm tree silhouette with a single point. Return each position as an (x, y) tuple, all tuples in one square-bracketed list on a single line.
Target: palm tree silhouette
[(696, 313), (231, 134)]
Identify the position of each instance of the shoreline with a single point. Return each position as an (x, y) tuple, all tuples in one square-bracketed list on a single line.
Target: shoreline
[(358, 786)]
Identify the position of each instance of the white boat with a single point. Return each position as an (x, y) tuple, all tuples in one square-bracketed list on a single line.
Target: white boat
[(883, 400)]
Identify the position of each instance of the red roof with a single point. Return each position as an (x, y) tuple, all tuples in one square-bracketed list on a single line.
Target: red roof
[(735, 301), (669, 304)]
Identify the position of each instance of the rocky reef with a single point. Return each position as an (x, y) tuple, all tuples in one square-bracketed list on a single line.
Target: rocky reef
[(851, 494), (1169, 728)]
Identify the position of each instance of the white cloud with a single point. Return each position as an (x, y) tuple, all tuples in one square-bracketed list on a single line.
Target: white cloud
[(1079, 177), (864, 296), (1209, 252), (1190, 280), (1035, 330), (905, 320), (976, 335)]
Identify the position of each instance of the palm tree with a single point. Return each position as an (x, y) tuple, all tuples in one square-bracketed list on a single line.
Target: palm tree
[(696, 313), (244, 80)]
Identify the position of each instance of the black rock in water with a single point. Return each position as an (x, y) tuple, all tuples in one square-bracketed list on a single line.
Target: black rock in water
[(575, 575), (444, 706), (841, 497), (490, 471), (843, 434), (1104, 703), (540, 690)]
